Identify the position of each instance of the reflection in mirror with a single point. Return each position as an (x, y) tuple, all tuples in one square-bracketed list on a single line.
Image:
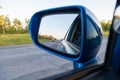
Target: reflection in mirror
[(116, 23), (55, 29)]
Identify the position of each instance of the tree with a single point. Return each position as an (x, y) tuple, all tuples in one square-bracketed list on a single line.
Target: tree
[(17, 24), (12, 30), (106, 25), (27, 21), (2, 24), (16, 27), (8, 23)]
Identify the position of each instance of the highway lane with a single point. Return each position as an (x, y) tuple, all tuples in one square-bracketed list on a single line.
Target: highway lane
[(23, 62), (17, 61)]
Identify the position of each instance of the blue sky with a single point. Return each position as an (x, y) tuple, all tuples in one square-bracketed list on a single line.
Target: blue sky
[(22, 9), (56, 25)]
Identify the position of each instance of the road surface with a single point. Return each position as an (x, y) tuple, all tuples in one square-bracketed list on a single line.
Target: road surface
[(27, 62)]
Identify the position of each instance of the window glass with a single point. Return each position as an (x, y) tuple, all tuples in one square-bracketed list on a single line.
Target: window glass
[(74, 35), (116, 23)]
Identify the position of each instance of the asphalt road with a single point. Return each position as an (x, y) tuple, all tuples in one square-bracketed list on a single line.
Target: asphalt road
[(27, 62)]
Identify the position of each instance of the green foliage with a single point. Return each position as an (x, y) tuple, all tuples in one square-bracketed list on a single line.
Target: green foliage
[(11, 30), (106, 25), (2, 24), (15, 27)]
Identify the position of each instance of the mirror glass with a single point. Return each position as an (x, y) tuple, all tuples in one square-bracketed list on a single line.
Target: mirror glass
[(117, 20), (60, 32)]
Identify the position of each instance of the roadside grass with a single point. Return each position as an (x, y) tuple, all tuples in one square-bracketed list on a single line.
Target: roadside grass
[(105, 33), (14, 39)]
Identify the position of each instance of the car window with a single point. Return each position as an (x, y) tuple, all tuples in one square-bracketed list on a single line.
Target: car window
[(74, 34), (21, 59)]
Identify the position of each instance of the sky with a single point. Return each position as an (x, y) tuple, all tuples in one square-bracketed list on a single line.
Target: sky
[(56, 25), (22, 9)]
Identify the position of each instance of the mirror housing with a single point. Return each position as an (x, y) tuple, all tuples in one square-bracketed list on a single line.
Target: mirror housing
[(89, 44)]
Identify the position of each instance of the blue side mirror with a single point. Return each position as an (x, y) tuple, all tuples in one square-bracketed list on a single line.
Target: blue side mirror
[(71, 32)]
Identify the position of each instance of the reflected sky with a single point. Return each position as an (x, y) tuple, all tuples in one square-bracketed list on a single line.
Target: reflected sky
[(56, 25)]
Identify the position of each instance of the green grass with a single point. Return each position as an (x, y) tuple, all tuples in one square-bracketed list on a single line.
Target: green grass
[(14, 39), (105, 33)]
